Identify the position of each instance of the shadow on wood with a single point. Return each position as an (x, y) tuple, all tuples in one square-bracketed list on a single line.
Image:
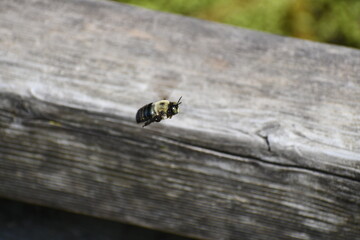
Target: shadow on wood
[(25, 221)]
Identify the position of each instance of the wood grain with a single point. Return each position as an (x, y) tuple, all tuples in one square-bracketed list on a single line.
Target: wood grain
[(266, 146)]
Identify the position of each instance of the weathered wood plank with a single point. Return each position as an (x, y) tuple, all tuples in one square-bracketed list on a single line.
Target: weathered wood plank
[(91, 163), (267, 145)]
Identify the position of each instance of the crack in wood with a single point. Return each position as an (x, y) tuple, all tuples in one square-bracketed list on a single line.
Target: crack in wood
[(232, 156)]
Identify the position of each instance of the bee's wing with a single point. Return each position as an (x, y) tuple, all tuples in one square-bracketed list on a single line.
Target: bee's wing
[(163, 85)]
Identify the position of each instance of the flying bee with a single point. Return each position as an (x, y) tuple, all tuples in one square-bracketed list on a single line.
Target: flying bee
[(157, 111)]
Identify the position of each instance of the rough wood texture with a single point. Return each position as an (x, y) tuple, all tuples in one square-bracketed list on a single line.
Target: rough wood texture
[(267, 145)]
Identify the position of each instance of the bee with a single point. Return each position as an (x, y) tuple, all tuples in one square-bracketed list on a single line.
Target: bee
[(157, 111)]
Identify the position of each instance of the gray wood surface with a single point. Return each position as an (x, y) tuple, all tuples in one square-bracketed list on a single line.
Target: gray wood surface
[(266, 146)]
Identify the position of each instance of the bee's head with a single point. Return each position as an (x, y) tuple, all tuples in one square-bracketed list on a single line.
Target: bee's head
[(174, 107)]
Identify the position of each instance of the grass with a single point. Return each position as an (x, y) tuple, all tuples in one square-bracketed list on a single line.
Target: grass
[(330, 21)]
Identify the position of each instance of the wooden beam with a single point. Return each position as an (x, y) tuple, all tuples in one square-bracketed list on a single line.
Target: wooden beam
[(266, 145)]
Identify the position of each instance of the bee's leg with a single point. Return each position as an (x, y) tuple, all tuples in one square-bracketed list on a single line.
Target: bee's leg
[(162, 115), (157, 118), (148, 122), (154, 119)]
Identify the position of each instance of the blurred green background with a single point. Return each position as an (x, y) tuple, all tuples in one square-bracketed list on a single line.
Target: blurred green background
[(330, 21)]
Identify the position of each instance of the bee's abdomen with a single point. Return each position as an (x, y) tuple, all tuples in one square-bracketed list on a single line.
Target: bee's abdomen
[(144, 113)]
